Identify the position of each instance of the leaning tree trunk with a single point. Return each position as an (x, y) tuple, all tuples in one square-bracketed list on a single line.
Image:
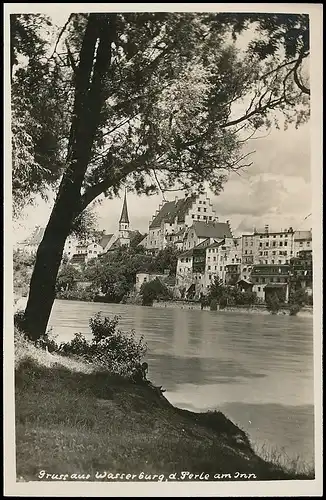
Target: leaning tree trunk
[(95, 58), (48, 259)]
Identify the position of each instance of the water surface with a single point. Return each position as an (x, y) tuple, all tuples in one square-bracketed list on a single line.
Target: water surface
[(257, 369)]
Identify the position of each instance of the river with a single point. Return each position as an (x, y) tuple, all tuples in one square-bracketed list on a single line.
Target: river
[(256, 369)]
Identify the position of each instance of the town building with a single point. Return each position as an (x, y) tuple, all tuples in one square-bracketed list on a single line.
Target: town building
[(302, 242), (30, 244), (268, 247), (268, 279), (201, 264), (301, 271), (172, 218)]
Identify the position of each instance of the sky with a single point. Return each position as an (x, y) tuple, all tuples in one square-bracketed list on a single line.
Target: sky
[(274, 190)]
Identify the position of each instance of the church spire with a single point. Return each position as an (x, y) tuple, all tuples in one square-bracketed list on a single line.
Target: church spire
[(124, 219)]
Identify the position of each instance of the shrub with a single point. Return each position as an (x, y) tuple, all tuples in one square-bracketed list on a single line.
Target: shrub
[(294, 309), (110, 348), (273, 304), (154, 290), (223, 302), (86, 295), (213, 305)]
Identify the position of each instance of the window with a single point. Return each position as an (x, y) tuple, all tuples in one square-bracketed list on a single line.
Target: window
[(280, 262), (198, 209), (272, 261), (68, 253), (221, 268), (258, 288), (274, 236), (274, 253), (265, 253), (274, 243), (192, 216), (214, 259), (198, 216), (281, 235), (285, 243), (245, 252), (281, 244), (205, 209), (260, 253), (95, 252), (308, 243), (266, 244), (199, 202), (260, 245), (209, 268), (204, 202), (210, 217)]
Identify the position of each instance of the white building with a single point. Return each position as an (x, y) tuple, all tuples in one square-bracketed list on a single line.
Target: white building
[(173, 217), (302, 241), (268, 247)]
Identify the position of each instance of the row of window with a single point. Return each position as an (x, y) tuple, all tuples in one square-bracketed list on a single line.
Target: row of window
[(274, 243), (204, 217), (268, 280), (284, 252), (274, 235)]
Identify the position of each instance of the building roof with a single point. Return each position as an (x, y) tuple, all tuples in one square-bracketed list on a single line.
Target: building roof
[(302, 235), (105, 240), (35, 238), (124, 214), (172, 209), (78, 258), (219, 230)]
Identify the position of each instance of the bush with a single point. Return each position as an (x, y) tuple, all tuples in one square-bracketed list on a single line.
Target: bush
[(273, 304), (294, 309), (110, 348), (86, 295), (223, 302), (213, 305), (154, 290)]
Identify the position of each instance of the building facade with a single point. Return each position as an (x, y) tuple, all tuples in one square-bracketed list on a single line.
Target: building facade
[(172, 218)]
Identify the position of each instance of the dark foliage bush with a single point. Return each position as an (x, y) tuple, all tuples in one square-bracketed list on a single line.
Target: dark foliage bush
[(109, 348)]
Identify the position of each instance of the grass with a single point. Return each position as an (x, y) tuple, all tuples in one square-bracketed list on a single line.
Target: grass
[(71, 418)]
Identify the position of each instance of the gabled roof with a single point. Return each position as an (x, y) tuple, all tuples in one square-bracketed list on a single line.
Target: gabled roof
[(105, 240), (219, 230), (216, 244), (203, 244), (172, 209), (35, 238), (78, 258)]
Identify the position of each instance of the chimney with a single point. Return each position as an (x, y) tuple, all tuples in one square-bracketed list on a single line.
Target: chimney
[(176, 199), (266, 229)]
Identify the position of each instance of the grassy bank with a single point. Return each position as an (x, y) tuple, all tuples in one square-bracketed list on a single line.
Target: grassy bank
[(73, 419)]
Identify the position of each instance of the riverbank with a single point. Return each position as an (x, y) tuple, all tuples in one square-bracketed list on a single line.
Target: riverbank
[(306, 311), (78, 420)]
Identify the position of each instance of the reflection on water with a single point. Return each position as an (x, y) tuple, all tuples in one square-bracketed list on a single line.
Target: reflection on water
[(258, 369)]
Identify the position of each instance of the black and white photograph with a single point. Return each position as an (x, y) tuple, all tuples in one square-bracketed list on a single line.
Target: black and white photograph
[(163, 242)]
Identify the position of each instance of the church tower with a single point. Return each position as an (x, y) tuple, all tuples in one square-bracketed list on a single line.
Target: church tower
[(124, 223)]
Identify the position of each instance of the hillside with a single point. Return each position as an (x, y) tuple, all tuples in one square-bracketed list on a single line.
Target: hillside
[(72, 419)]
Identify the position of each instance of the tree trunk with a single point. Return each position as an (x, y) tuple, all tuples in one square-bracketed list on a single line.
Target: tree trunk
[(95, 58), (48, 259)]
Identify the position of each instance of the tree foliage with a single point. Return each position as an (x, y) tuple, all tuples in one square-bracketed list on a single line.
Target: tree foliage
[(39, 119)]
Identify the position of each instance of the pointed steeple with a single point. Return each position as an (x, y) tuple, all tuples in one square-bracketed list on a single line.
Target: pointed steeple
[(124, 219)]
